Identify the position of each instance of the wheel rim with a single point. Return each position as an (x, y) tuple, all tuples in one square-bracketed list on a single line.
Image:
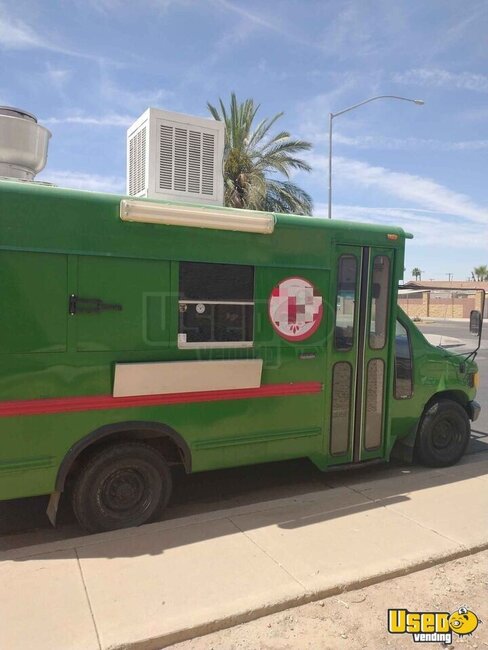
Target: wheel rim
[(446, 434), (125, 491)]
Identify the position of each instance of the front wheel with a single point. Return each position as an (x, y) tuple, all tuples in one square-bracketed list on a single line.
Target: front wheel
[(127, 484), (443, 434)]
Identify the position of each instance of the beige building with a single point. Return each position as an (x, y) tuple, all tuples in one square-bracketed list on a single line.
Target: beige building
[(442, 299)]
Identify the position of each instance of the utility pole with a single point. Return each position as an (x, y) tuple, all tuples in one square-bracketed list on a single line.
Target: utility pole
[(449, 275)]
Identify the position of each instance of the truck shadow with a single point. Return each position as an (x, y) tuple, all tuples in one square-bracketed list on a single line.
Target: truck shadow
[(289, 495)]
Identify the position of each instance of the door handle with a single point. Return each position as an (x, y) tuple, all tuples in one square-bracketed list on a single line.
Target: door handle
[(79, 305)]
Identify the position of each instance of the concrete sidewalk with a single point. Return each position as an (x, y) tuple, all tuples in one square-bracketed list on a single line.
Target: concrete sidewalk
[(166, 582)]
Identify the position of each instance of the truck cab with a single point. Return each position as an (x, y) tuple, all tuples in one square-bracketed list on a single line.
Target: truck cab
[(439, 383)]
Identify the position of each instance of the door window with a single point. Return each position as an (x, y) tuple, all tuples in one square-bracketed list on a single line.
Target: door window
[(374, 404), (346, 298), (379, 302), (403, 363), (341, 408)]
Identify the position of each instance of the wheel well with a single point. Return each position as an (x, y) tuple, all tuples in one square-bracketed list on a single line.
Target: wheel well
[(163, 438), (454, 395)]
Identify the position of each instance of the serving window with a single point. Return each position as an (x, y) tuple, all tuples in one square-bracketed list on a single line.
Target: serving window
[(216, 305)]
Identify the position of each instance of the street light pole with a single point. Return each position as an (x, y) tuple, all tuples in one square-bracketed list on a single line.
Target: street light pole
[(331, 117), (419, 102)]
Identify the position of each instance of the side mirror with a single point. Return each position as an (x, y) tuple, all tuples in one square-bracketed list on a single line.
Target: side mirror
[(475, 322)]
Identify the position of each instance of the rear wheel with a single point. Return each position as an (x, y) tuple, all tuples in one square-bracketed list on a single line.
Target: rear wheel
[(443, 434), (123, 485)]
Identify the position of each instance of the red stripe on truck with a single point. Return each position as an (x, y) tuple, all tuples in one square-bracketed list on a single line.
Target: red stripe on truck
[(107, 402)]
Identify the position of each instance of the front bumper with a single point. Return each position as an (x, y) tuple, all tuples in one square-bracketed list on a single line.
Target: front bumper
[(473, 409)]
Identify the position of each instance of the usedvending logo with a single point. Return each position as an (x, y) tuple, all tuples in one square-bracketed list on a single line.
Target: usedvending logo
[(433, 627)]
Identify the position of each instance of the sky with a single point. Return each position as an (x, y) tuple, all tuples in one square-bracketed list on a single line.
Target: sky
[(88, 68)]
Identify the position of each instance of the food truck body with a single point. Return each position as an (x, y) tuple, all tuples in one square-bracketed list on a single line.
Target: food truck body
[(136, 335)]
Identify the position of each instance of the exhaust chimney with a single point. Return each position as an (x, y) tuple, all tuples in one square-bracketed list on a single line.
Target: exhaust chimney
[(23, 144)]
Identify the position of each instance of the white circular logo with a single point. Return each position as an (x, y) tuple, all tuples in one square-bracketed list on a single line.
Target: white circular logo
[(200, 308), (295, 309)]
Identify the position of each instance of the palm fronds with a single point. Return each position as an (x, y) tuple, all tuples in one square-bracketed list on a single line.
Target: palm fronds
[(253, 157)]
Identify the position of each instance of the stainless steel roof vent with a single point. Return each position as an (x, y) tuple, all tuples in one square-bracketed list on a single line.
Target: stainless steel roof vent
[(23, 144)]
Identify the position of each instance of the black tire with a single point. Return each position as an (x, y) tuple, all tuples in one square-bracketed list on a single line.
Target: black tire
[(124, 485), (443, 434)]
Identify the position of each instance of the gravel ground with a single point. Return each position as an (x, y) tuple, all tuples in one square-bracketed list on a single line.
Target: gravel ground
[(358, 619)]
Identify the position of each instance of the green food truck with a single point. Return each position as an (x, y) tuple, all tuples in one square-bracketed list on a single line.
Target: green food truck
[(140, 334)]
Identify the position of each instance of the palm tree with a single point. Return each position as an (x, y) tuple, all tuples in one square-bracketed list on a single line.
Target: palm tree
[(254, 160), (481, 272), (417, 273)]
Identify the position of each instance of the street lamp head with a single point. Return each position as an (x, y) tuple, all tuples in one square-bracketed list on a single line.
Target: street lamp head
[(419, 102)]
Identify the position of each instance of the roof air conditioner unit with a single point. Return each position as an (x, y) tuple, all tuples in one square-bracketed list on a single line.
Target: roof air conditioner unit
[(176, 157)]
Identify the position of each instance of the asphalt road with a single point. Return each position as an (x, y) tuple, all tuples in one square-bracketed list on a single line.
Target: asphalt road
[(23, 522)]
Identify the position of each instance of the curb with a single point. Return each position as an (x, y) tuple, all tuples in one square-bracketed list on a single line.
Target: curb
[(167, 640)]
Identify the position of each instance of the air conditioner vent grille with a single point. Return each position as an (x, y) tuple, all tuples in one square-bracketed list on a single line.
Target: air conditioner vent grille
[(208, 163), (137, 162), (186, 160), (194, 162), (166, 158), (181, 152)]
